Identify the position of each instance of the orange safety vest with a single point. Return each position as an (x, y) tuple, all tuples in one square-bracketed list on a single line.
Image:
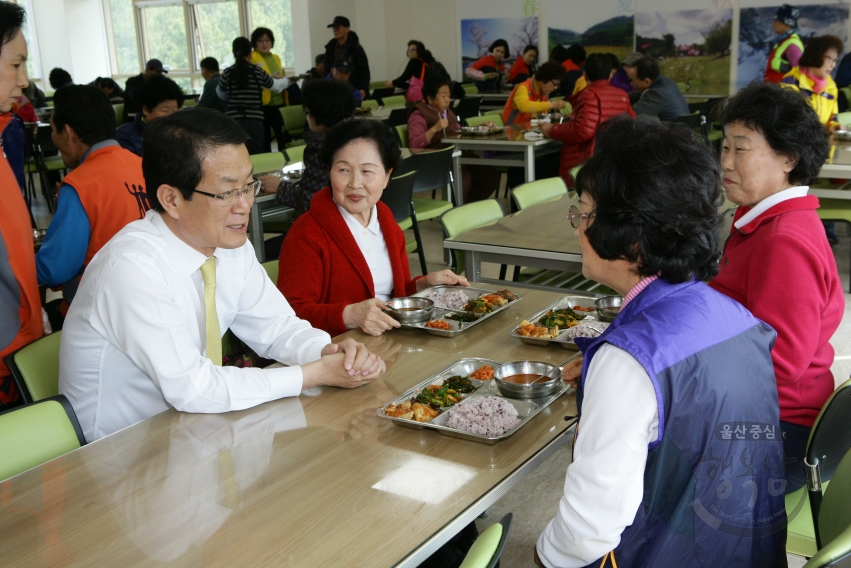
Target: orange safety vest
[(112, 190), (510, 113), (16, 232)]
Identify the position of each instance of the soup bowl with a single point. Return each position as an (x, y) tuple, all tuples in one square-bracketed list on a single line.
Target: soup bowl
[(409, 310), (512, 379)]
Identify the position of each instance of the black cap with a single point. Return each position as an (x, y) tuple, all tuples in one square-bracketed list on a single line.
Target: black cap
[(155, 65), (340, 21), (343, 65)]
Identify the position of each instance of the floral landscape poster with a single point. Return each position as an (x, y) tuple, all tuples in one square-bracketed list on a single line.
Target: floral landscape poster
[(756, 36), (478, 34), (692, 46), (608, 27)]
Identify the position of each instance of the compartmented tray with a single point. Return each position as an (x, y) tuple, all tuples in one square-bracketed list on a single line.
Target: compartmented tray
[(526, 409), (562, 339), (455, 326)]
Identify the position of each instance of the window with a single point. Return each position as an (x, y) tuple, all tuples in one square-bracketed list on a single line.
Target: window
[(164, 36), (121, 27), (215, 25), (33, 62)]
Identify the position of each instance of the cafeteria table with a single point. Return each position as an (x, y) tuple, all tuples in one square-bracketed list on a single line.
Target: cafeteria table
[(315, 480), (838, 166), (507, 148), (539, 236)]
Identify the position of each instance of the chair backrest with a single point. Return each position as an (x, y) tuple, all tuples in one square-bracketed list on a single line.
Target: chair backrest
[(119, 114), (692, 120), (468, 107), (538, 191), (271, 269), (830, 437), (470, 88), (402, 135), (487, 549), (844, 118), (44, 139), (834, 522), (574, 171), (35, 368), (398, 117), (379, 94), (471, 216), (433, 169), (394, 101), (294, 117), (295, 153), (726, 225), (397, 195), (477, 120), (369, 103), (33, 434), (376, 84), (268, 162)]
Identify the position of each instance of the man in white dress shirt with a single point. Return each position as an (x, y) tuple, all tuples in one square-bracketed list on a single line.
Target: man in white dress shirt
[(135, 341)]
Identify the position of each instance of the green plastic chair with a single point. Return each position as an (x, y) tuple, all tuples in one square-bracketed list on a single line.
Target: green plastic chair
[(433, 172), (35, 368), (268, 162), (487, 549), (478, 120), (844, 118), (395, 101), (538, 191), (497, 111), (369, 103), (834, 520), (402, 135), (271, 269), (376, 85), (466, 218), (36, 433), (830, 440), (119, 114), (295, 121), (470, 89), (397, 196), (834, 210), (295, 153), (189, 103)]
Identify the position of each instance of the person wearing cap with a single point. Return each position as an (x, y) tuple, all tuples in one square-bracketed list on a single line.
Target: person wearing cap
[(346, 45), (622, 77), (133, 84), (788, 46), (341, 71)]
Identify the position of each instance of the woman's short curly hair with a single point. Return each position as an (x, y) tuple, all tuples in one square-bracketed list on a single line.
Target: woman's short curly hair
[(550, 71), (817, 49), (657, 190), (787, 121), (329, 102)]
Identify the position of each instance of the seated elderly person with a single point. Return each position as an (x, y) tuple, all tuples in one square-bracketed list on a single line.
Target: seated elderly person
[(346, 257), (158, 96), (431, 120), (658, 95), (531, 97), (777, 254), (651, 482), (144, 333), (326, 103)]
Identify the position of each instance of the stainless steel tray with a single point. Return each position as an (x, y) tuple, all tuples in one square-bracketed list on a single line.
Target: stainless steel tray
[(526, 409), (562, 339), (456, 327)]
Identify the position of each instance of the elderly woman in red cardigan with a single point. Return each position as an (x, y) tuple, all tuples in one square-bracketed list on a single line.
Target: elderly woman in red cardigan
[(344, 258)]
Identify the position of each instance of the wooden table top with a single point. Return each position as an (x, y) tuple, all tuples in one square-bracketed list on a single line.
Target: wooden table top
[(543, 227), (317, 480)]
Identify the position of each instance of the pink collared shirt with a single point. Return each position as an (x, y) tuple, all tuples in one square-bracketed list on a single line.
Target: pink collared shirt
[(638, 288)]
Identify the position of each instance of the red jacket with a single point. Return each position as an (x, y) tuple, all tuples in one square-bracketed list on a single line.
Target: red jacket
[(781, 268), (321, 270), (596, 103)]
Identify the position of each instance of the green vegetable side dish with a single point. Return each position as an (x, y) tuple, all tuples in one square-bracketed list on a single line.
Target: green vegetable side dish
[(561, 318), (447, 394), (478, 306), (463, 317)]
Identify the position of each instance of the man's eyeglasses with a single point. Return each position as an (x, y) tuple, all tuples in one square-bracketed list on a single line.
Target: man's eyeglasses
[(229, 198), (575, 217)]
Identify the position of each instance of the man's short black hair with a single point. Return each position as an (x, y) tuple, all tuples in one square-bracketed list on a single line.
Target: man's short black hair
[(787, 121), (598, 66), (576, 53), (647, 68), (371, 130), (211, 64), (656, 190), (329, 102), (259, 33), (175, 146), (59, 78), (87, 110), (157, 89), (319, 59), (12, 19), (550, 71)]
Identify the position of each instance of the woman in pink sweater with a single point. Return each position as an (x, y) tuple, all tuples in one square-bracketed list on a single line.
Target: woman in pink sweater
[(777, 261)]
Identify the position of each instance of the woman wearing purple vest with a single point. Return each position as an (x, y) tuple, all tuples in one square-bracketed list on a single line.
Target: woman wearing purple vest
[(678, 459)]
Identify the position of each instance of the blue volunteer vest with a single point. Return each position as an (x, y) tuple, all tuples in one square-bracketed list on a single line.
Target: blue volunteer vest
[(713, 482)]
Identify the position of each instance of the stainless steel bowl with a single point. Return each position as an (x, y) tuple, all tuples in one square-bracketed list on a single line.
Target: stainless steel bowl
[(609, 307), (410, 310), (540, 389)]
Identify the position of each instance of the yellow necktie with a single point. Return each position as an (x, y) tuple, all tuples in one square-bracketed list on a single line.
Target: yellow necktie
[(214, 336)]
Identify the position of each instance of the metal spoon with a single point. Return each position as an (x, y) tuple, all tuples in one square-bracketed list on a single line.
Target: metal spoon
[(557, 367)]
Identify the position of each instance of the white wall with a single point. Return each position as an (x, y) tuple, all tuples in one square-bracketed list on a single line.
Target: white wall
[(433, 23)]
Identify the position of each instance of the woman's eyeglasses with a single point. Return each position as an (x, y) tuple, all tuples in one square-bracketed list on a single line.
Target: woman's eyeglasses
[(575, 217), (229, 198)]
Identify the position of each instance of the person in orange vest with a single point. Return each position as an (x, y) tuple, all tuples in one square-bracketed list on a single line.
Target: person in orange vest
[(788, 47), (104, 191), (20, 306), (532, 95)]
